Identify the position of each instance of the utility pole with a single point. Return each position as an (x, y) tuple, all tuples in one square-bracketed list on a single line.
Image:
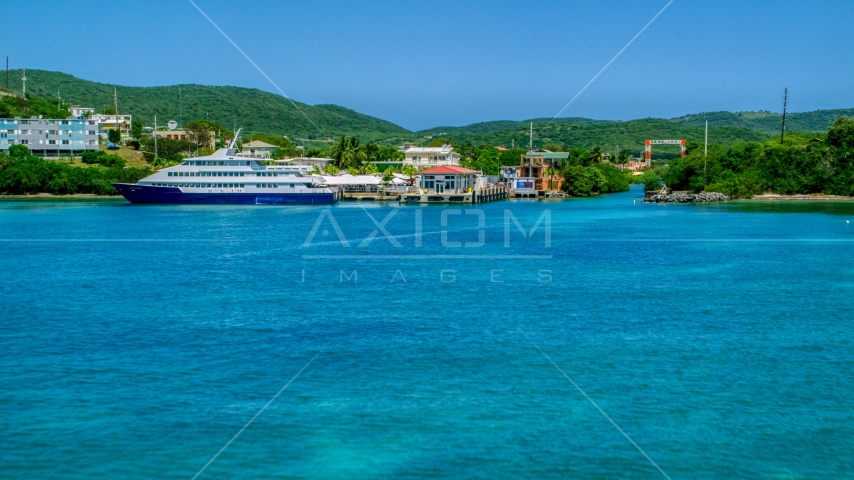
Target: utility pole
[(785, 102), (531, 149), (24, 82), (7, 73), (706, 149), (531, 138), (155, 136), (116, 102), (58, 101)]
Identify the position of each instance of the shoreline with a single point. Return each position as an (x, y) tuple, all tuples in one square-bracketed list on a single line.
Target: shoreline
[(51, 195), (812, 196), (762, 197)]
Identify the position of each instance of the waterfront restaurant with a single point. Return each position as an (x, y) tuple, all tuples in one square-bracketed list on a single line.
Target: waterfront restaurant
[(529, 178), (447, 179)]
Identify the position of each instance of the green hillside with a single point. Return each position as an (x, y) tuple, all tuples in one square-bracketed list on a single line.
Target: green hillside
[(502, 125), (259, 112), (629, 135), (253, 110), (768, 122)]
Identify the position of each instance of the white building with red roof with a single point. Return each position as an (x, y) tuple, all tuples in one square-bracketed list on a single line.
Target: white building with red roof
[(452, 184), (450, 179)]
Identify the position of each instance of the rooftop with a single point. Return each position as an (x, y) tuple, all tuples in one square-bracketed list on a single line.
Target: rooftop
[(447, 170), (443, 149), (547, 154), (258, 144)]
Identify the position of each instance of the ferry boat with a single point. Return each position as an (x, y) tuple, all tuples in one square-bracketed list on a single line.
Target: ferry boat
[(228, 177)]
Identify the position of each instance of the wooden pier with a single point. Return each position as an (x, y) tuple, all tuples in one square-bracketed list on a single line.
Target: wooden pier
[(481, 195)]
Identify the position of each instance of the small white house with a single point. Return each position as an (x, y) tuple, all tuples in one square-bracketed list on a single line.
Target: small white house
[(431, 156), (78, 111), (447, 179), (257, 147)]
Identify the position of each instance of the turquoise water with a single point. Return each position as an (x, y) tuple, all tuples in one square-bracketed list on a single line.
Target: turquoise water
[(138, 340)]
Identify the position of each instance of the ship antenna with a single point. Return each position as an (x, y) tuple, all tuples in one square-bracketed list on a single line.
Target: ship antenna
[(234, 140)]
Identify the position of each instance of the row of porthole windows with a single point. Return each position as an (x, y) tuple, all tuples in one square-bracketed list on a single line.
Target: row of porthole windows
[(213, 163), (201, 185), (219, 174), (205, 174), (217, 185)]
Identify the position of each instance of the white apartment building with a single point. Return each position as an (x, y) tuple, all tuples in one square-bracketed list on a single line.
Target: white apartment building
[(49, 137), (431, 156)]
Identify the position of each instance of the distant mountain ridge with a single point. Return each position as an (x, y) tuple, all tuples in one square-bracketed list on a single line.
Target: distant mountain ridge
[(607, 135), (768, 122), (257, 111), (726, 128)]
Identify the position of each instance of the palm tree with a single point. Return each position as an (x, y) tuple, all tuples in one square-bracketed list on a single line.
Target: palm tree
[(410, 171), (550, 172), (356, 153), (372, 152), (370, 168), (596, 155), (340, 152), (352, 170), (331, 169), (388, 175)]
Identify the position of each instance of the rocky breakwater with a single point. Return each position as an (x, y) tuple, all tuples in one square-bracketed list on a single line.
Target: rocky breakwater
[(685, 197)]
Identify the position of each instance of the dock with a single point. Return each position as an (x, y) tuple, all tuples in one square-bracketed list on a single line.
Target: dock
[(486, 194)]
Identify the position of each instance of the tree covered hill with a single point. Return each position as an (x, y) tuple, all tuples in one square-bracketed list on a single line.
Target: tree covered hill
[(502, 125), (260, 112), (254, 110), (768, 122), (725, 128), (629, 135)]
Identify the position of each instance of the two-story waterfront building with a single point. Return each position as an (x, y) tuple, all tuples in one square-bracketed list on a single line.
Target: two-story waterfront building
[(50, 137), (427, 157), (531, 177)]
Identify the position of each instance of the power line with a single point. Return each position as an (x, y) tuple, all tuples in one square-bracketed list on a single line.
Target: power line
[(615, 58)]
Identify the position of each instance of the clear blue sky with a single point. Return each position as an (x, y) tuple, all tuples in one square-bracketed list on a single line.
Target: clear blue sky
[(424, 64)]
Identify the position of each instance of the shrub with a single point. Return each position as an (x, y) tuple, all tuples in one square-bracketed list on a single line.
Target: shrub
[(616, 179), (25, 174), (583, 181), (651, 181), (103, 158)]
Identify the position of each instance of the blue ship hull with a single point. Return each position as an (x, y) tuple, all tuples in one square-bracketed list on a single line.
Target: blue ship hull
[(150, 194)]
